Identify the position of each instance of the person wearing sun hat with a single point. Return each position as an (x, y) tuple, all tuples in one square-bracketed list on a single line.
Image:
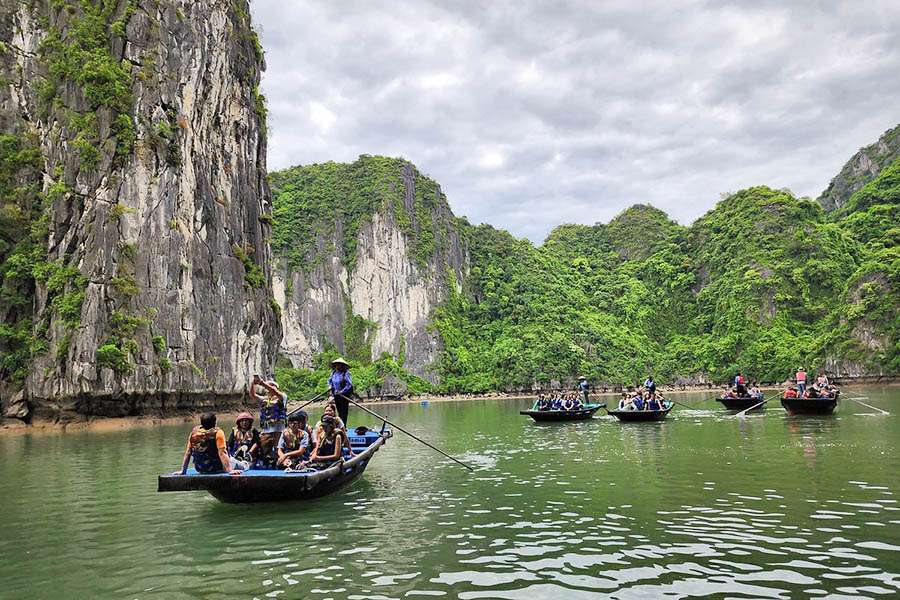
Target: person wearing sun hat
[(340, 386), (583, 387)]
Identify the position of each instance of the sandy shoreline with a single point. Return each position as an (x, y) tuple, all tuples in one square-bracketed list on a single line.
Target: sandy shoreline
[(106, 424)]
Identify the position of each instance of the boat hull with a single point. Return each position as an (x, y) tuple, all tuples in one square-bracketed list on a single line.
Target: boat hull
[(810, 406), (741, 403), (637, 416), (275, 485), (547, 416)]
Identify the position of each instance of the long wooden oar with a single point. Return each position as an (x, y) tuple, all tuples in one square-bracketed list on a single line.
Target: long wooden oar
[(681, 404), (395, 426), (883, 412), (307, 403), (744, 412)]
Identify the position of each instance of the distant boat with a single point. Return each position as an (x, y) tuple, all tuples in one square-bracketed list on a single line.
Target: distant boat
[(740, 402), (258, 485), (585, 412), (810, 406), (630, 416)]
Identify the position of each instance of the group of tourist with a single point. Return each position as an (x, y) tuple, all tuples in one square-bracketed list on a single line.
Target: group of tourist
[(559, 401), (739, 389), (282, 441), (644, 397), (565, 400), (820, 388)]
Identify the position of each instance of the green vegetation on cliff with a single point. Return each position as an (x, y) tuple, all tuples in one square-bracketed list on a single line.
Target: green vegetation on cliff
[(316, 205), (764, 282)]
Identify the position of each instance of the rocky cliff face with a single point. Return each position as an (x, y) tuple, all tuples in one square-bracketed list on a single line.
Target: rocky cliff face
[(143, 283), (384, 253), (862, 167)]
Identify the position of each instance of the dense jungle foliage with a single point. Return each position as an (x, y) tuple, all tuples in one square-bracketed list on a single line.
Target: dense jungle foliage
[(764, 282)]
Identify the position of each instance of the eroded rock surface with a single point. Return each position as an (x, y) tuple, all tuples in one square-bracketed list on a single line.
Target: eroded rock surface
[(157, 202)]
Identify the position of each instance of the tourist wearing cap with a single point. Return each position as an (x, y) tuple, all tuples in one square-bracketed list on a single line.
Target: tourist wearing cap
[(294, 442), (340, 385)]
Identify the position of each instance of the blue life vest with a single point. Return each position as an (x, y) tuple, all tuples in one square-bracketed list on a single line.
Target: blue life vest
[(653, 404), (639, 403), (272, 414), (204, 450)]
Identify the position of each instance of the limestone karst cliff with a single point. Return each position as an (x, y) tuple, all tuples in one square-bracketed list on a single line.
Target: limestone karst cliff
[(135, 255), (364, 253), (863, 167)]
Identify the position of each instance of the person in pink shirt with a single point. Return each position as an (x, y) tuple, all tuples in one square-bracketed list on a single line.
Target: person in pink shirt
[(801, 380)]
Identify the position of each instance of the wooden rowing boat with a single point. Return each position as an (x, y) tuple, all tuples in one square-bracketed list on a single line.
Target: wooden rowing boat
[(632, 416), (740, 402), (810, 406), (259, 485), (585, 412)]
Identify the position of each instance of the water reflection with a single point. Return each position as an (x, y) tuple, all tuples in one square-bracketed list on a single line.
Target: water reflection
[(702, 504)]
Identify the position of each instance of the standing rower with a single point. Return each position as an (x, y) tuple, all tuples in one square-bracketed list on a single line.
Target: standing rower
[(583, 387), (341, 387)]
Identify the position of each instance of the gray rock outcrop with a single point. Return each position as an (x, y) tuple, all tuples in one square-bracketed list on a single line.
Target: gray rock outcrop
[(863, 167), (153, 167), (388, 286)]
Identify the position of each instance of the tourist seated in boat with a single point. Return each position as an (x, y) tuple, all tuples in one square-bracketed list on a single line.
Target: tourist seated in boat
[(791, 392), (822, 381), (543, 403), (625, 402), (294, 443), (206, 446), (331, 411), (243, 443), (638, 402), (729, 393), (755, 392), (577, 404), (812, 391), (329, 444), (556, 403), (272, 418)]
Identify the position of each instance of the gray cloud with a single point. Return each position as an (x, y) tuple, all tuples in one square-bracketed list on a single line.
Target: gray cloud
[(532, 114)]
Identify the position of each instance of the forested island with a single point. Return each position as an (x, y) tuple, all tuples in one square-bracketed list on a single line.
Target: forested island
[(762, 283), (149, 264)]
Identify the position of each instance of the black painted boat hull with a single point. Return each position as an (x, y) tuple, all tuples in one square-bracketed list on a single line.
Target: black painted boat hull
[(740, 403), (637, 416), (546, 416), (275, 486), (810, 406)]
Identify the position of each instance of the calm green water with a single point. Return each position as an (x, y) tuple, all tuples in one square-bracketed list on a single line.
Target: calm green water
[(701, 505)]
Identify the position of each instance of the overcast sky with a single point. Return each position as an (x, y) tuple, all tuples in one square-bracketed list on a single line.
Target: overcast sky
[(532, 114)]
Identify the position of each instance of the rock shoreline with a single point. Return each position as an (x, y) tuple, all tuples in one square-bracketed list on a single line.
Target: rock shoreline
[(43, 423)]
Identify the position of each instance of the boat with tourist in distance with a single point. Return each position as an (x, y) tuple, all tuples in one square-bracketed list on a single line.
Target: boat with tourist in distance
[(741, 402), (584, 412), (631, 416), (260, 485), (811, 406)]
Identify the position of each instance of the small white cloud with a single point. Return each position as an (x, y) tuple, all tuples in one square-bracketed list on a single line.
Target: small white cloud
[(491, 159), (438, 81), (321, 116)]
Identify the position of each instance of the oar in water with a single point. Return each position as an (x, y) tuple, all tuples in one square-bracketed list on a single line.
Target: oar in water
[(883, 412), (744, 412), (307, 403), (681, 404), (394, 425)]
